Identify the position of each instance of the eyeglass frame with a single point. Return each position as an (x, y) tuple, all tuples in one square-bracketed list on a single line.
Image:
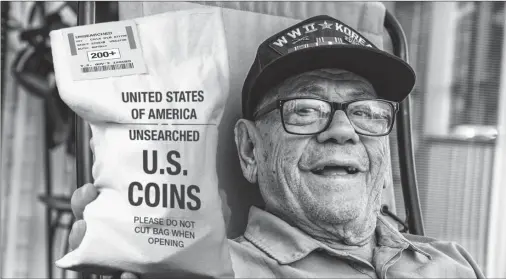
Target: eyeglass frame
[(334, 106)]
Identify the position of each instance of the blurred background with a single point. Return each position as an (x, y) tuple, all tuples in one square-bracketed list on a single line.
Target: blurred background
[(458, 118)]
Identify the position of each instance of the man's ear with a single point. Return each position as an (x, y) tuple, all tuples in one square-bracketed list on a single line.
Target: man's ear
[(246, 138)]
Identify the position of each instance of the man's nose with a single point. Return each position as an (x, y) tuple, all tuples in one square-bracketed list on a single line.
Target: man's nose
[(340, 130)]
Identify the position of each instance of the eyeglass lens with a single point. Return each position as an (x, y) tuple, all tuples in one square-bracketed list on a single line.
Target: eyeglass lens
[(309, 116)]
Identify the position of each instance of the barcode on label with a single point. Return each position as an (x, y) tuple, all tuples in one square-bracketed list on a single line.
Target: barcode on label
[(104, 68)]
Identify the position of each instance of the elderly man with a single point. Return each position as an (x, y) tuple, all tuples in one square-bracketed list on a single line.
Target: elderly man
[(318, 104)]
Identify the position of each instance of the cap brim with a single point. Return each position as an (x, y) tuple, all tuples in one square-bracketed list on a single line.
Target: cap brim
[(392, 78)]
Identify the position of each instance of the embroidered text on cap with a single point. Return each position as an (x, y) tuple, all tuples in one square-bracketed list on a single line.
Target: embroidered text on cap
[(318, 33)]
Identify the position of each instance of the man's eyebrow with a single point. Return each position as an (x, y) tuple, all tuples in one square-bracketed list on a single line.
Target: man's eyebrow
[(357, 94), (307, 90), (318, 90), (304, 86)]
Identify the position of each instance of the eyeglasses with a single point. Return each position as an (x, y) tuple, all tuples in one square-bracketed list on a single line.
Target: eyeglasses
[(309, 116)]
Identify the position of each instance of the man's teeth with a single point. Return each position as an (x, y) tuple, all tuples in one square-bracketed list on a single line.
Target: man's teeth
[(349, 170)]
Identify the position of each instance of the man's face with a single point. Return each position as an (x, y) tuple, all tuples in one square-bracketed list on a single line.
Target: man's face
[(310, 180)]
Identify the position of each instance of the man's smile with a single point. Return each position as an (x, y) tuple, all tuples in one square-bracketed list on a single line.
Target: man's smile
[(334, 167), (335, 170)]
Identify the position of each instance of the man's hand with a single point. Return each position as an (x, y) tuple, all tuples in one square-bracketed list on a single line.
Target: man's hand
[(82, 197)]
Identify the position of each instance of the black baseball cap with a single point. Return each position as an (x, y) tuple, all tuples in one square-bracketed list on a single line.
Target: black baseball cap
[(324, 42)]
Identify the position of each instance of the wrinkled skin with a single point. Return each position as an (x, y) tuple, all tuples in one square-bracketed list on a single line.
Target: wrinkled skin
[(341, 213)]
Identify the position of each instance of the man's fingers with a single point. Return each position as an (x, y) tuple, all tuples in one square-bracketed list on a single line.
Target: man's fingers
[(77, 234), (82, 197)]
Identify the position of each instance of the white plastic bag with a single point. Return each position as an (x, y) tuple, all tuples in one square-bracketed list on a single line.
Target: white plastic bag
[(158, 213)]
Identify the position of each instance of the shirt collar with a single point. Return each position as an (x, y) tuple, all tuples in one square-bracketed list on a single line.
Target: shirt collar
[(287, 244)]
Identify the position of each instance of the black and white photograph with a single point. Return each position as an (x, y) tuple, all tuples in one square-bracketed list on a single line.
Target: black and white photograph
[(253, 139)]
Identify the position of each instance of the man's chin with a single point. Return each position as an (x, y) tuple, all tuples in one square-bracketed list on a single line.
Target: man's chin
[(334, 198), (334, 184), (334, 212)]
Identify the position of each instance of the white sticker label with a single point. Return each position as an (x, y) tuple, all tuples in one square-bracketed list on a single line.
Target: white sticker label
[(105, 50), (104, 54)]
